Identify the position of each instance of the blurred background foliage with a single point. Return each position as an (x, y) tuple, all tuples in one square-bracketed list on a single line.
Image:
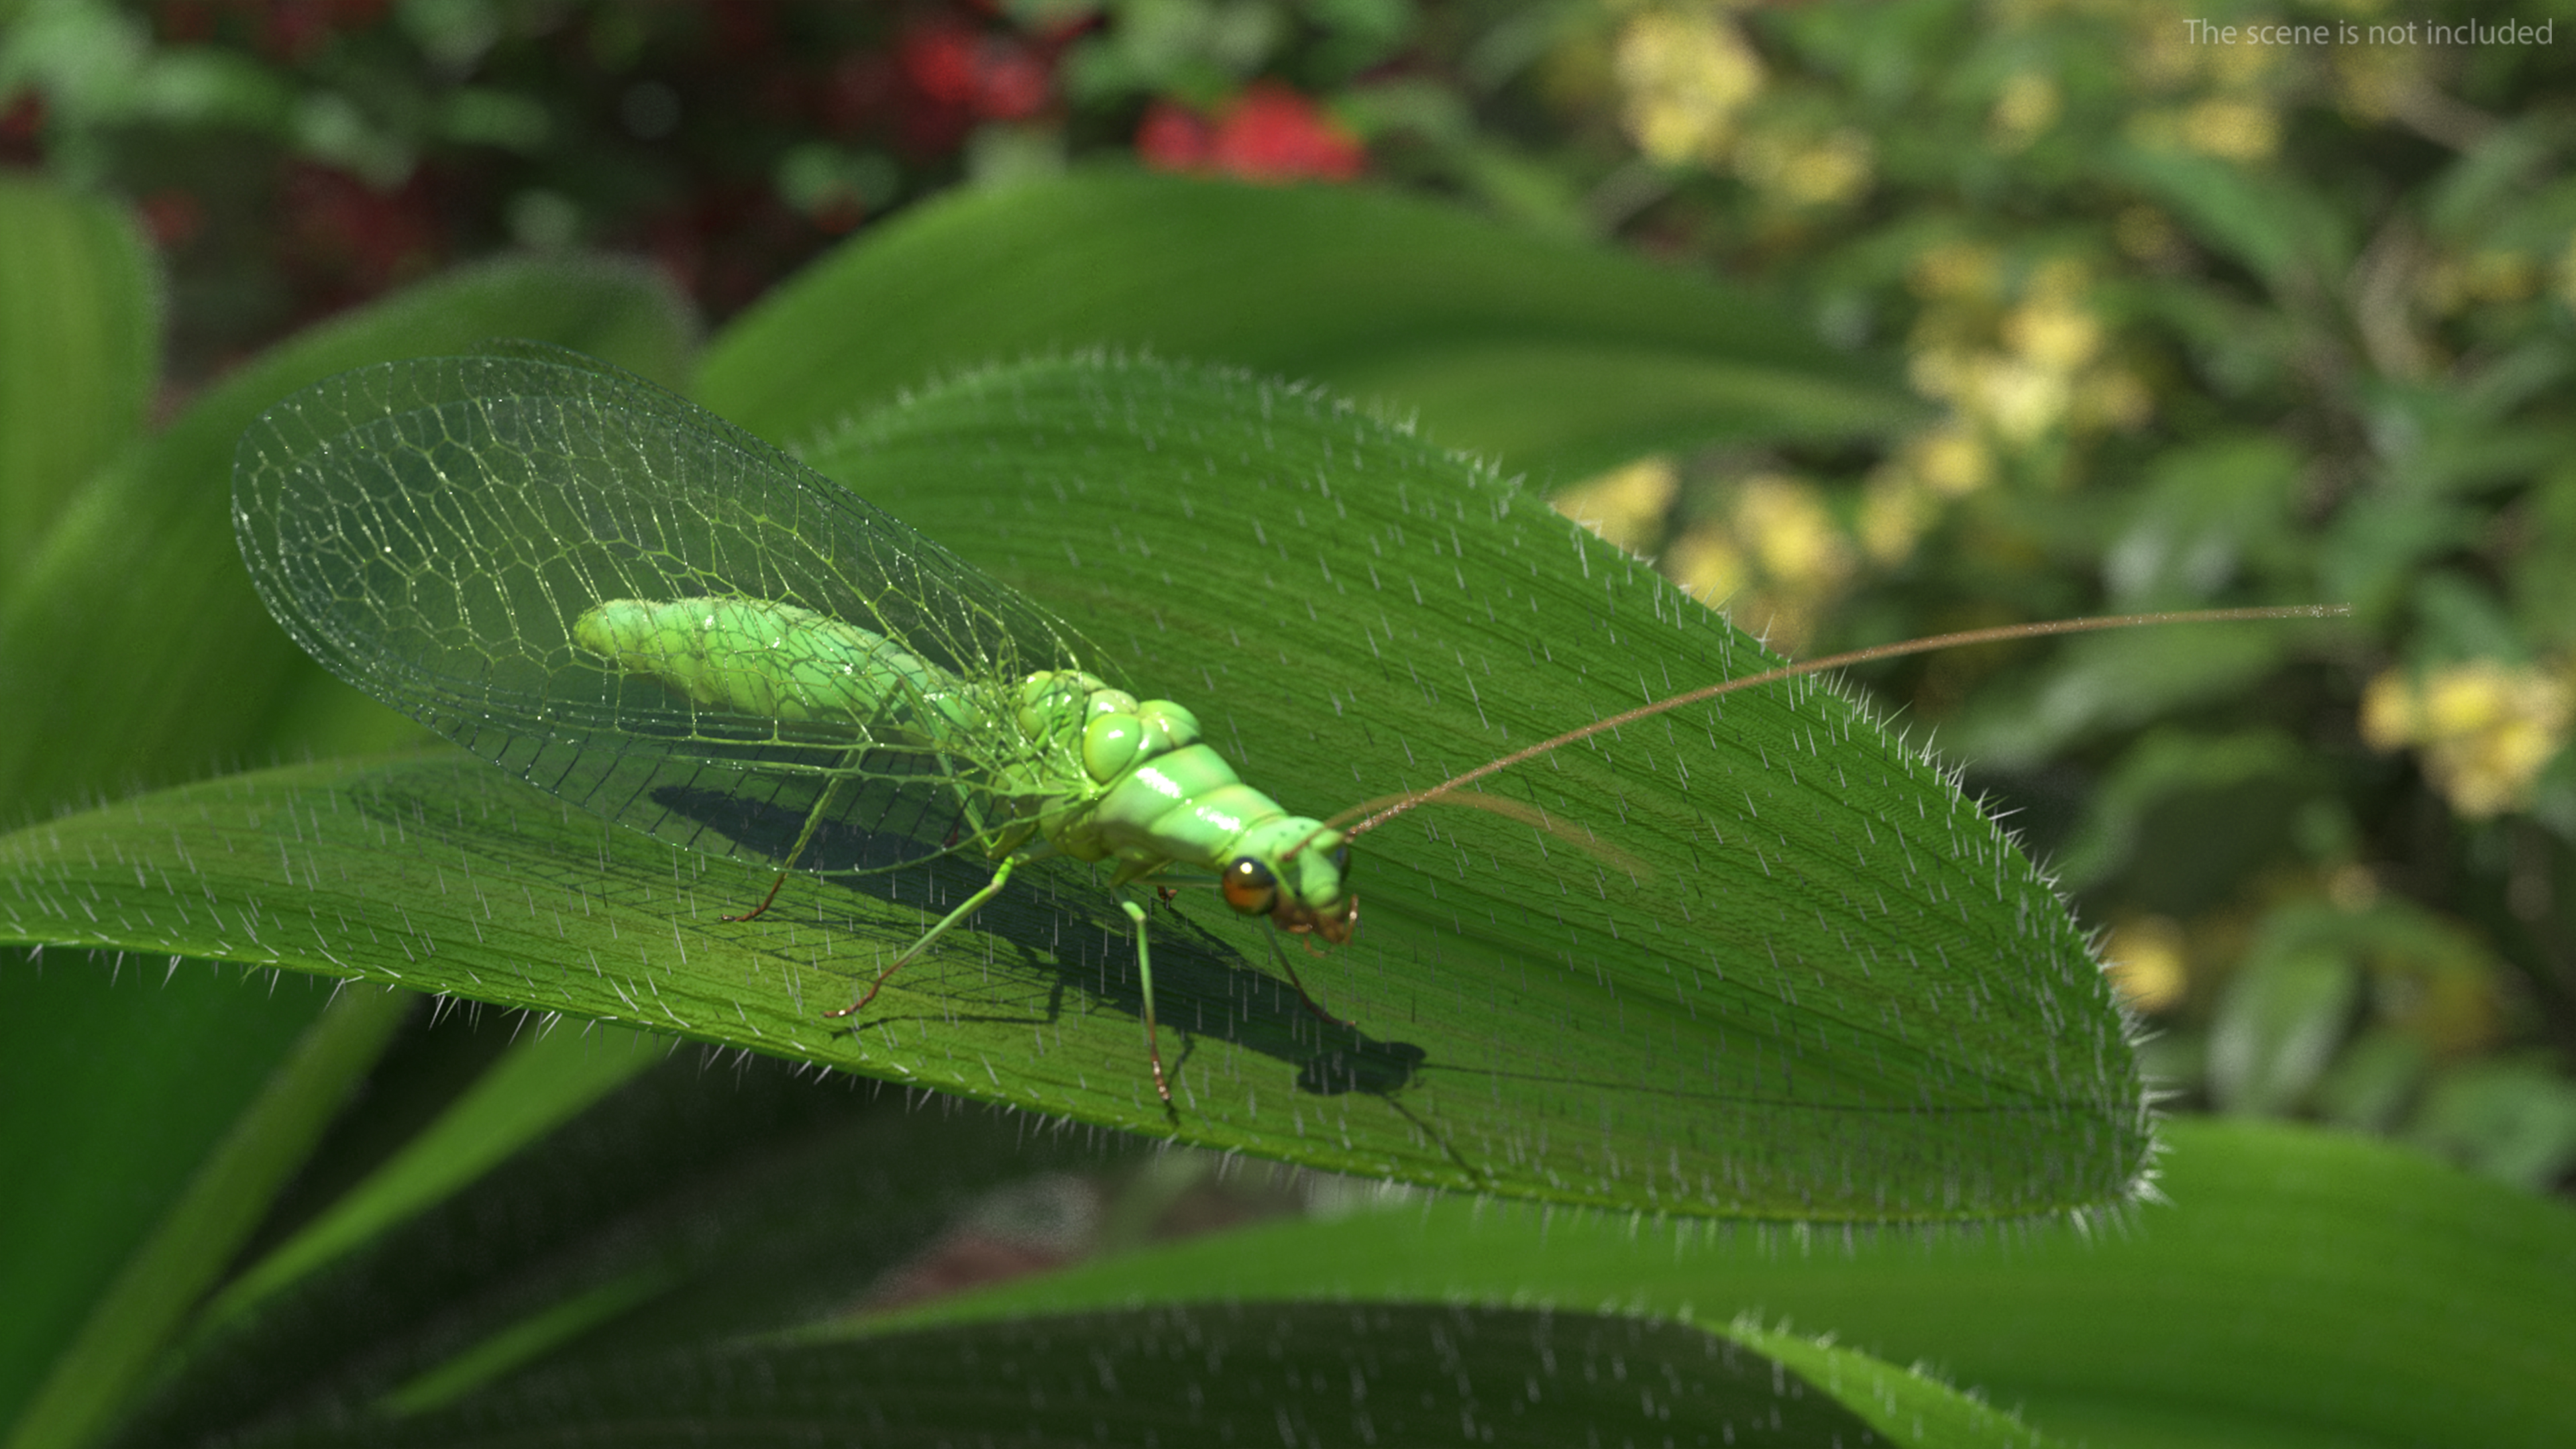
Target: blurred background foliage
[(2279, 320)]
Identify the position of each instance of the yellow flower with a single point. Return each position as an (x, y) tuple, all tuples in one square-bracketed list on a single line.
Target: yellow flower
[(1626, 505), (2494, 275), (2146, 962), (2232, 129), (1807, 172), (2239, 66), (1951, 460), (1785, 524), (2052, 333), (1684, 78), (1706, 563), (1906, 493), (2485, 729), (1956, 269), (2377, 81), (1894, 512), (2165, 56), (1940, 372), (1773, 559), (2021, 400), (2026, 108), (2389, 713), (2013, 379)]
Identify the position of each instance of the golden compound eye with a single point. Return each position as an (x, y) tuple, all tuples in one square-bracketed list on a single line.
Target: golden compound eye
[(1249, 887)]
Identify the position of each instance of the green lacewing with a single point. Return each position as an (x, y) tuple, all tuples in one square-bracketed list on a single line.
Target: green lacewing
[(639, 608)]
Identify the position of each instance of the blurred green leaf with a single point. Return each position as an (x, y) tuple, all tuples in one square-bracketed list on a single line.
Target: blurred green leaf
[(527, 1340), (208, 86), (2495, 176), (547, 1079), (80, 322), (116, 1081), (2278, 1025), (1300, 1373), (2206, 514), (144, 555), (2270, 220), (698, 1203), (2462, 439), (2513, 1121), (2374, 546), (2186, 816), (1800, 977), (2462, 619), (131, 1324), (1559, 358), (2118, 680), (1912, 1406), (2544, 595), (2373, 1080), (2297, 1288)]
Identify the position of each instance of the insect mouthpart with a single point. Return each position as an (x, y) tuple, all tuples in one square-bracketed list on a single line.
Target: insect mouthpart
[(1334, 922)]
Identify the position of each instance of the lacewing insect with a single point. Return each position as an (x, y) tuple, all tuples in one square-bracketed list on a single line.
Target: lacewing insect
[(626, 600)]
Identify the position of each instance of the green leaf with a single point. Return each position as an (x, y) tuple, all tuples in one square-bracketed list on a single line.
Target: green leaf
[(133, 1321), (526, 1340), (1561, 358), (544, 1081), (80, 301), (2207, 514), (2268, 220), (126, 1074), (2298, 1288), (2207, 517), (1908, 1406), (695, 1205), (2513, 1121), (2373, 1079), (1244, 1373), (145, 557), (2496, 177), (2278, 1026), (2118, 680), (1769, 963), (2189, 816)]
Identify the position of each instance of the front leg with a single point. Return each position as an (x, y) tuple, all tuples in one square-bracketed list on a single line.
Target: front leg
[(1145, 978)]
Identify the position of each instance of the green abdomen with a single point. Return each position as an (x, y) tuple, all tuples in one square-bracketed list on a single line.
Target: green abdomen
[(777, 661)]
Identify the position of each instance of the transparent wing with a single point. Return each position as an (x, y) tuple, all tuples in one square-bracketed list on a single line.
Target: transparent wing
[(431, 529)]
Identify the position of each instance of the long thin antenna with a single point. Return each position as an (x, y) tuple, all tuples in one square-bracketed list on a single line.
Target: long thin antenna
[(1529, 815), (1839, 661)]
